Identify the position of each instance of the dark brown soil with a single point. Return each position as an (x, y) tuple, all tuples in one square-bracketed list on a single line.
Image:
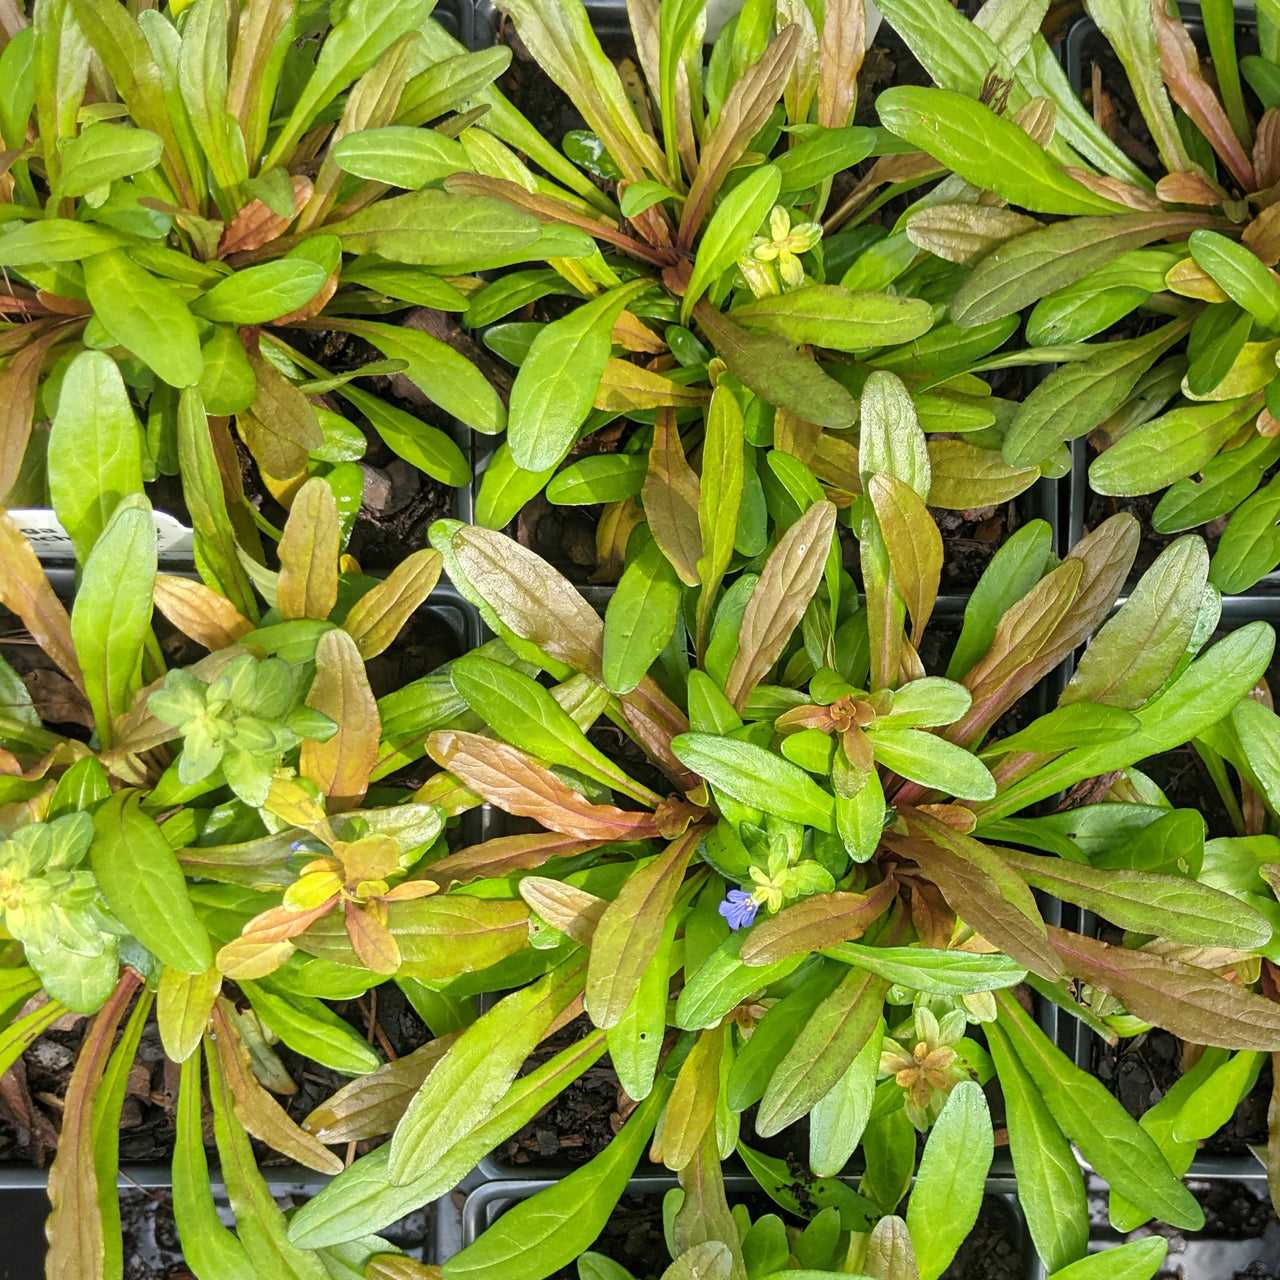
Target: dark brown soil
[(400, 502), (579, 1123), (971, 538), (995, 1249)]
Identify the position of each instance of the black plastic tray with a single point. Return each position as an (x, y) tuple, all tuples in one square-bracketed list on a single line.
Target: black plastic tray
[(488, 1202)]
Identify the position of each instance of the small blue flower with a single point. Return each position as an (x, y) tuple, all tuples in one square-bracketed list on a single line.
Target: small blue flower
[(739, 909)]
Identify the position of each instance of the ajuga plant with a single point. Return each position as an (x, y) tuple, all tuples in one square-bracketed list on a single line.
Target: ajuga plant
[(175, 190), (233, 792), (711, 185), (1238, 754), (707, 1237), (811, 903), (1168, 260)]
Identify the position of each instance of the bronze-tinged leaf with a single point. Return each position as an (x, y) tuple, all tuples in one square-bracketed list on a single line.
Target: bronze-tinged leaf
[(1192, 1003), (256, 224), (1116, 189), (77, 1249), (703, 1216), (25, 590), (541, 605), (538, 603), (516, 783), (1262, 236), (747, 106), (965, 476), (378, 616), (371, 940), (827, 1044), (630, 931), (1188, 188), (573, 911), (1180, 66), (780, 598), (281, 427), (399, 1266), (913, 543), (18, 382), (256, 1109), (342, 766), (823, 920), (506, 855), (691, 1109), (981, 890), (625, 386), (671, 497), (632, 334), (308, 583), (1038, 632), (205, 615), (777, 372), (841, 48), (372, 1105), (1266, 155)]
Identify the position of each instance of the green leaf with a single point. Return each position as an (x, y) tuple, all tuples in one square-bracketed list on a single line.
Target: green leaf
[(757, 777), (102, 154), (144, 315), (933, 762), (826, 315), (552, 1228), (51, 240), (209, 1248), (723, 981), (735, 221), (1078, 396), (838, 1119), (1091, 1117), (640, 619), (949, 1186), (807, 1196), (111, 617), (603, 477), (258, 294), (442, 374), (1250, 545), (1169, 447), (95, 448), (986, 149), (823, 1051), (400, 156), (432, 228), (1050, 1181), (311, 1028), (1137, 1260), (143, 884), (466, 1084), (1239, 274), (521, 711), (556, 385), (1138, 649), (1204, 693), (937, 972), (823, 154), (417, 442)]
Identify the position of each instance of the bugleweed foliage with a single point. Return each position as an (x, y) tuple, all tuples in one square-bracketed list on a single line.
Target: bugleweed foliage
[(1178, 249)]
